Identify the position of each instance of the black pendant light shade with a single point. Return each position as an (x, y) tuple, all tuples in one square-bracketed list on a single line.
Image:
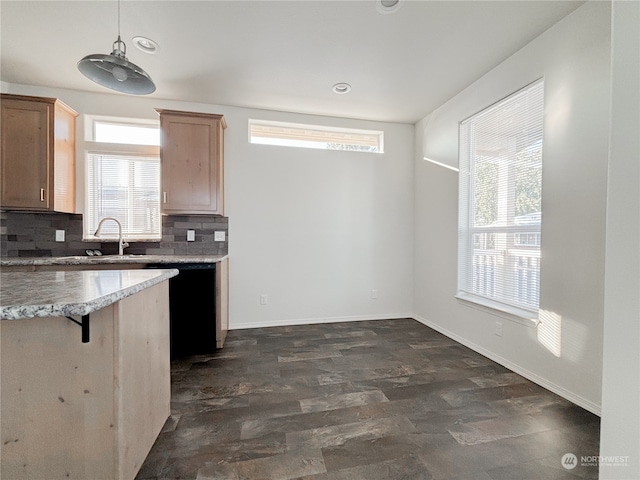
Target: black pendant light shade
[(114, 71)]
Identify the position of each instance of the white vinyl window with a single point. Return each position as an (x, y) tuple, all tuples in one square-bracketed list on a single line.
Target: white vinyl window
[(123, 181), (315, 136), (129, 134), (501, 203)]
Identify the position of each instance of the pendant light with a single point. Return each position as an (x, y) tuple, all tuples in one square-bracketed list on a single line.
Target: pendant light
[(114, 71)]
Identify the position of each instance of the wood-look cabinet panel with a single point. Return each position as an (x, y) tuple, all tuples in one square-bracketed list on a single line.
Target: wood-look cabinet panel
[(189, 175), (25, 154), (37, 156), (85, 411), (222, 302), (64, 158), (192, 162)]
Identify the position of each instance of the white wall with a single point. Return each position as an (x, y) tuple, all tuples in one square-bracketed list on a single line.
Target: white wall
[(620, 428), (573, 57), (315, 230), (318, 231)]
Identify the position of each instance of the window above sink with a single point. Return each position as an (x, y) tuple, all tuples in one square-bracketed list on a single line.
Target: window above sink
[(122, 178)]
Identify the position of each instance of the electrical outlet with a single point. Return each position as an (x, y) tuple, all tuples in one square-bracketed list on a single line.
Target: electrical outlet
[(264, 299), (59, 235), (191, 235), (219, 236), (374, 294), (499, 329)]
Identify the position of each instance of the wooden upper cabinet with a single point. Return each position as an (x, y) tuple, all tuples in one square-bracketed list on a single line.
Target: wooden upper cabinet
[(37, 154), (191, 152)]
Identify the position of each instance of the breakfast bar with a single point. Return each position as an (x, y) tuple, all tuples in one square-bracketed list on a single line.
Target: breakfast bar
[(74, 409)]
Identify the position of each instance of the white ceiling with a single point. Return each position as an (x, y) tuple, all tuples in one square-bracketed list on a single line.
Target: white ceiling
[(281, 55)]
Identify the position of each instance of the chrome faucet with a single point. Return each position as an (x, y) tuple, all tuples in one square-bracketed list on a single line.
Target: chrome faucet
[(121, 243)]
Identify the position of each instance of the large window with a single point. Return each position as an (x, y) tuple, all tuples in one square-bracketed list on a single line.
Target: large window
[(123, 180), (501, 203)]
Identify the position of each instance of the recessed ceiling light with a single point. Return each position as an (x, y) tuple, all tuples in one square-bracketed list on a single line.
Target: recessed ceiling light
[(145, 44), (388, 6), (341, 88)]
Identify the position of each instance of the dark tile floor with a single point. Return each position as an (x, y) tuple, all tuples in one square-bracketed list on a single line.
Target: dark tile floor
[(388, 399)]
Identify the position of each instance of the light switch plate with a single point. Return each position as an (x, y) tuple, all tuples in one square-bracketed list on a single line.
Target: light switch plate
[(219, 236), (191, 235), (59, 235)]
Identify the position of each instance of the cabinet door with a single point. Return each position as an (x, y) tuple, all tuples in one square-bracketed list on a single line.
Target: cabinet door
[(24, 157), (191, 155)]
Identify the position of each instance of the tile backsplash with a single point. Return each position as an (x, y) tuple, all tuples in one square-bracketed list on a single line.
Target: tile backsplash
[(34, 234)]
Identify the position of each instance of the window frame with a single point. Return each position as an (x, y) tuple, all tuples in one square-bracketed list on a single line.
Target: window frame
[(281, 141), (520, 313), (118, 149), (91, 120)]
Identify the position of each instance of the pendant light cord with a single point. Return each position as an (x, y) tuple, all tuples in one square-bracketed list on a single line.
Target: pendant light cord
[(121, 46)]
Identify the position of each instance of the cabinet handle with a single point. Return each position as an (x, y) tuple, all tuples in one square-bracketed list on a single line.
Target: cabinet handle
[(42, 194), (164, 197)]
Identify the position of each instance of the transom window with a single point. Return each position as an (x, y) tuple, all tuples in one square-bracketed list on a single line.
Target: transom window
[(123, 180), (315, 136), (501, 203), (130, 134)]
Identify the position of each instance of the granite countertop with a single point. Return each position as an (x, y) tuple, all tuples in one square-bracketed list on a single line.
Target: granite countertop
[(56, 294), (110, 260)]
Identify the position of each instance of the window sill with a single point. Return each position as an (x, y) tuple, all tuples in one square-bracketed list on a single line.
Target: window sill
[(514, 314), (115, 240)]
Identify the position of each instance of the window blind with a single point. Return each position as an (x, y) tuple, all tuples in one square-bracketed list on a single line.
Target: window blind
[(501, 201), (126, 187)]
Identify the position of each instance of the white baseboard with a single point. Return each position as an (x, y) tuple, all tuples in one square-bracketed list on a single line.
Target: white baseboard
[(543, 382), (309, 321)]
